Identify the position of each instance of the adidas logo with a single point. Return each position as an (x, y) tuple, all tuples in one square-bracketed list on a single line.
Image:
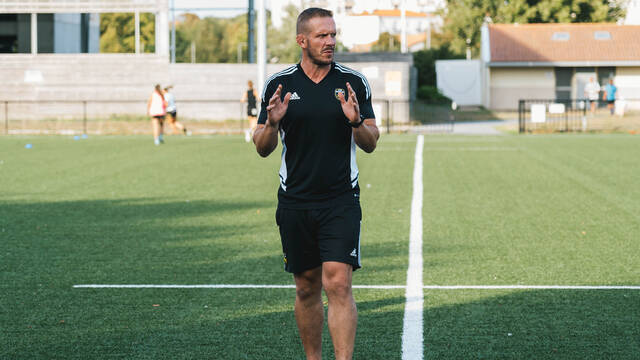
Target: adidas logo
[(354, 253), (294, 96)]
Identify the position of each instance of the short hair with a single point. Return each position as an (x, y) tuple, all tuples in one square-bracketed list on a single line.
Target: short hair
[(308, 14)]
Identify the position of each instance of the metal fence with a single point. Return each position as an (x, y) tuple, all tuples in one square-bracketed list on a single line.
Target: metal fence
[(129, 116), (433, 117), (113, 116), (578, 115)]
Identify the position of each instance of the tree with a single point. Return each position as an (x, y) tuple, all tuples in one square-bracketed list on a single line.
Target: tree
[(281, 43), (387, 42), (425, 63), (464, 18), (117, 32)]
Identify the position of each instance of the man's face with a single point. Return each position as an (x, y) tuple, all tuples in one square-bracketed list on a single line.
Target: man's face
[(319, 41)]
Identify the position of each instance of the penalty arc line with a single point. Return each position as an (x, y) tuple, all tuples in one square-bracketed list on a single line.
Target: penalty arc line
[(412, 328)]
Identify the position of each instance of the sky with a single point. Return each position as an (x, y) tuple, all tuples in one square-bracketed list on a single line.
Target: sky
[(223, 8)]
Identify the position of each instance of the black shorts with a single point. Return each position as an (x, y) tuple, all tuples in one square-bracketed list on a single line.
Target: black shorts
[(312, 236), (174, 114), (611, 102)]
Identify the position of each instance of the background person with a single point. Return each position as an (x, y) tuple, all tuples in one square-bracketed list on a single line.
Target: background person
[(325, 113), (157, 109), (251, 98), (172, 112), (610, 95), (592, 92)]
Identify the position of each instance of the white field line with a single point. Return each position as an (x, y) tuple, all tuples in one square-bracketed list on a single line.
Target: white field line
[(215, 286), (380, 287), (412, 337)]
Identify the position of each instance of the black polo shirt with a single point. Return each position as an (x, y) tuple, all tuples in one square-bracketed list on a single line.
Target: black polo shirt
[(319, 153)]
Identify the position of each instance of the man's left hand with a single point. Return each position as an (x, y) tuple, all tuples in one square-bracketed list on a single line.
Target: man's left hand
[(350, 106)]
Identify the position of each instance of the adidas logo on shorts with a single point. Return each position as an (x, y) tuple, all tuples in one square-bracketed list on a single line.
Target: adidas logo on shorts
[(354, 253)]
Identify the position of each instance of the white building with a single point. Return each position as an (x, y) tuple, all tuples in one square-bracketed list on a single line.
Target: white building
[(633, 13), (377, 16)]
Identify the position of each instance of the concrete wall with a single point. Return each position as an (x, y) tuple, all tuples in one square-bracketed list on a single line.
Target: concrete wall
[(220, 87), (627, 80), (460, 80), (508, 85), (112, 83), (122, 83)]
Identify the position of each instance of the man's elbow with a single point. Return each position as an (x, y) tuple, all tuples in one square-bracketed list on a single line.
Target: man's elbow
[(263, 150), (368, 149), (263, 153)]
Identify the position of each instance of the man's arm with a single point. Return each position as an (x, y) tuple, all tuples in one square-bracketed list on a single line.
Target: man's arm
[(266, 135), (366, 135)]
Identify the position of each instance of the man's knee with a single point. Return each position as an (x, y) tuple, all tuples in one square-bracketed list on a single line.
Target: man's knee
[(336, 280), (308, 285)]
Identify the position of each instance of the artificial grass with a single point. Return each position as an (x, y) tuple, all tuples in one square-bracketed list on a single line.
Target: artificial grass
[(200, 210)]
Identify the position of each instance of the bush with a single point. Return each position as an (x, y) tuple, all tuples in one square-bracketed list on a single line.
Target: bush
[(432, 95), (425, 62)]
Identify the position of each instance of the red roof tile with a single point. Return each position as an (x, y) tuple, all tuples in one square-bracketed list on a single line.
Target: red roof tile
[(533, 43)]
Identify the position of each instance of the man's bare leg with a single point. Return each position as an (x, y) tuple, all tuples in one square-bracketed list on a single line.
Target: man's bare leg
[(343, 315), (310, 311)]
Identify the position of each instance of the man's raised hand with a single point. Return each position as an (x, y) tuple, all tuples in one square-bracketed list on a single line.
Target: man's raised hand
[(277, 108), (350, 106)]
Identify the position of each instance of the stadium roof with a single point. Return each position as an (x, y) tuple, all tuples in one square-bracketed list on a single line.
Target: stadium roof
[(564, 44)]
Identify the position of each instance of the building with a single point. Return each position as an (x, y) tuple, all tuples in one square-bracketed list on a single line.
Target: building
[(633, 13), (352, 16), (555, 61), (56, 33), (419, 26)]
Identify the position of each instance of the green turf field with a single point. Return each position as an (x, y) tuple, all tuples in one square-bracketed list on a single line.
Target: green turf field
[(504, 210)]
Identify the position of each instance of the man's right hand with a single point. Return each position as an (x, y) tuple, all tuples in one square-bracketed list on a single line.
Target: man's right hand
[(277, 108)]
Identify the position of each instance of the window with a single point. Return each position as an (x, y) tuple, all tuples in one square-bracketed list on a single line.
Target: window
[(15, 33), (560, 36), (602, 35)]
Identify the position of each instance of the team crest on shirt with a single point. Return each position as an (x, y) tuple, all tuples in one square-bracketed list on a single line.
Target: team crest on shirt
[(337, 93)]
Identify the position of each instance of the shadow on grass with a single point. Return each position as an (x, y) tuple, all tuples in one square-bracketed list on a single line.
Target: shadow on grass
[(542, 324), (259, 324), (132, 240)]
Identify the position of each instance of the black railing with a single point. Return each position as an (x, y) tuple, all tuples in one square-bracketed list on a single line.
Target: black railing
[(552, 115), (79, 116), (577, 115), (433, 117)]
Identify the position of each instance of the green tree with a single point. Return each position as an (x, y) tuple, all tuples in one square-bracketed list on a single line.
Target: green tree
[(464, 18), (281, 43), (216, 40), (117, 32), (425, 62), (387, 42)]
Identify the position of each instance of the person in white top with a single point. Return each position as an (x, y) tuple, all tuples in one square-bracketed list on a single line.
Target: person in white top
[(172, 112), (592, 92), (157, 109)]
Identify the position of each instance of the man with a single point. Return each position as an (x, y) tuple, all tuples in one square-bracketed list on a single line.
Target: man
[(591, 92), (610, 95), (325, 112)]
